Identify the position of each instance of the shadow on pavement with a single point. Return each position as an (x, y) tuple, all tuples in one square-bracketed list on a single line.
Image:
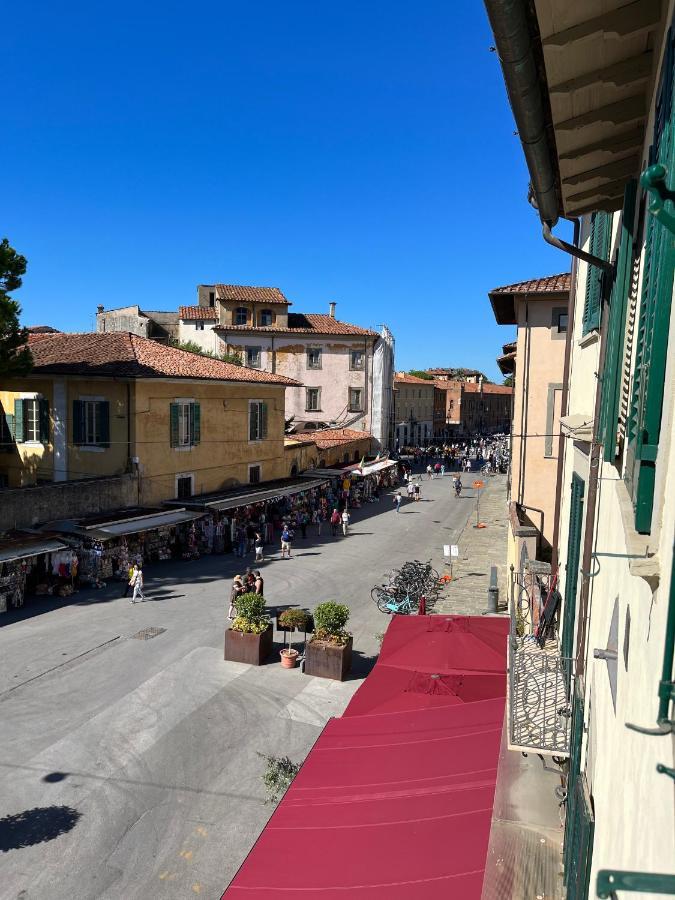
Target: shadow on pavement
[(35, 826)]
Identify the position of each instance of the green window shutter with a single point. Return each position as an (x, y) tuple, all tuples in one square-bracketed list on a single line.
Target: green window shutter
[(196, 430), (573, 777), (644, 422), (618, 304), (601, 235), (263, 421), (253, 421), (104, 413), (173, 424), (19, 422), (78, 422), (44, 421), (572, 568)]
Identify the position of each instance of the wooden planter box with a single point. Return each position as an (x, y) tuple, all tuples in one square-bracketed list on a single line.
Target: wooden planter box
[(248, 648), (328, 660)]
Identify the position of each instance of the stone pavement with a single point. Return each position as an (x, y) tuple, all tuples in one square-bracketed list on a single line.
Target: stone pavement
[(479, 550)]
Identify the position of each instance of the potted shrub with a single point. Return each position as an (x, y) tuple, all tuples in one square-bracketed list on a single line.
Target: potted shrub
[(249, 638), (291, 620), (329, 651)]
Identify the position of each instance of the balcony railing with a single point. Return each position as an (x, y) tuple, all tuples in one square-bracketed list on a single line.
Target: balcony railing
[(540, 678)]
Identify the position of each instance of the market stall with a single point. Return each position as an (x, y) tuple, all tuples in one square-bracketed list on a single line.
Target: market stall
[(33, 563)]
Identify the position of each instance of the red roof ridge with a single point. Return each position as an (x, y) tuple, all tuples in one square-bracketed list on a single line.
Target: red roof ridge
[(547, 284)]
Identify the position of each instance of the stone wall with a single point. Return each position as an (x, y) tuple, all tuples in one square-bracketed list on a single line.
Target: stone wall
[(31, 506)]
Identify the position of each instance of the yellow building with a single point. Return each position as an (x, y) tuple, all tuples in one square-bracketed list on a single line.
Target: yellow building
[(105, 404)]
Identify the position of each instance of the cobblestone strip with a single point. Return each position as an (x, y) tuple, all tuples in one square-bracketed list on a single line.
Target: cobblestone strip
[(479, 550)]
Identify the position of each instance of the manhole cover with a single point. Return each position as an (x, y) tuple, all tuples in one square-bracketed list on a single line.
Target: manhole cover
[(146, 634)]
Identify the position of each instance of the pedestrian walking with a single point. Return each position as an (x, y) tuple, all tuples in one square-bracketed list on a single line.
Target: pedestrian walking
[(286, 541), (443, 470), (334, 522), (304, 519), (128, 585), (236, 591), (137, 582), (397, 501), (258, 544), (418, 491), (259, 584), (430, 472), (345, 521)]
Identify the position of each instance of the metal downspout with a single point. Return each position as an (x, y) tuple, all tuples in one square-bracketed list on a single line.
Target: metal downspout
[(573, 249), (564, 400)]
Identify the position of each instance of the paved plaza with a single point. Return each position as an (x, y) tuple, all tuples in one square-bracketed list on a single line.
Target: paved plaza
[(129, 767)]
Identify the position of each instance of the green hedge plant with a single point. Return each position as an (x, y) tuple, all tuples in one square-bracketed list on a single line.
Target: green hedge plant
[(330, 619), (252, 615)]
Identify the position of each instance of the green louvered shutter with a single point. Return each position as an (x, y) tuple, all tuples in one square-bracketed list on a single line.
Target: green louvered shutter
[(572, 568), (618, 304), (78, 422), (644, 420), (44, 421), (104, 413), (579, 819), (196, 429), (601, 233), (173, 424), (19, 420), (263, 421)]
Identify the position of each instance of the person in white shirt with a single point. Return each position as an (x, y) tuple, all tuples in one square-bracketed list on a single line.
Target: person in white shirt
[(136, 581), (345, 522)]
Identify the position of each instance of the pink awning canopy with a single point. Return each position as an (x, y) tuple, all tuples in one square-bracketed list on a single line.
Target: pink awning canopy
[(395, 799)]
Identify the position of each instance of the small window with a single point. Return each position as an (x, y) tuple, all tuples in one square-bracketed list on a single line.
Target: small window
[(313, 399), (355, 400), (31, 422), (253, 357), (199, 324), (265, 317), (314, 358), (91, 423), (345, 458), (212, 298), (257, 420), (356, 359), (562, 323), (254, 474), (183, 487), (241, 315)]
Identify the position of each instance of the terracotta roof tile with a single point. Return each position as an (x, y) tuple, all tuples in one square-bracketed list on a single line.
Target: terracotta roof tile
[(124, 355), (471, 388), (404, 378), (550, 284), (306, 323), (197, 312), (329, 438), (249, 294)]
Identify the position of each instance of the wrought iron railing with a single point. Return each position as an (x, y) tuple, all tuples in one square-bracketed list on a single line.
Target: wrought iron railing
[(540, 678)]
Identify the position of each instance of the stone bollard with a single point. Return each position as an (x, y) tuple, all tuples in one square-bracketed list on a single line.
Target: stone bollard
[(493, 591)]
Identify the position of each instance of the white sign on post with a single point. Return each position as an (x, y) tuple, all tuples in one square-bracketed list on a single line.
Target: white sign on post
[(446, 549), (454, 550)]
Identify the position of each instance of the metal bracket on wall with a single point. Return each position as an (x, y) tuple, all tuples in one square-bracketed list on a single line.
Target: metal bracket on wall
[(653, 180), (665, 770), (609, 882)]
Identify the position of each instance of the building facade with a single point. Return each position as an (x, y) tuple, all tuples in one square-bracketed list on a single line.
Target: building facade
[(100, 405), (592, 95), (539, 310), (413, 410)]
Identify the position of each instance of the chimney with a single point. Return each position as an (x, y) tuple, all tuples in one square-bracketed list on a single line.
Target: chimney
[(99, 309), (331, 309)]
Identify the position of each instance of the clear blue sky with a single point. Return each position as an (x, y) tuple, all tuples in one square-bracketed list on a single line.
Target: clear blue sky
[(357, 152)]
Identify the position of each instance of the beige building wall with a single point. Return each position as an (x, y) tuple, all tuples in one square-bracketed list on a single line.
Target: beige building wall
[(224, 454), (537, 406)]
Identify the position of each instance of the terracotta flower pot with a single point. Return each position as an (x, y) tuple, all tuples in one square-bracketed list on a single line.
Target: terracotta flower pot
[(289, 658)]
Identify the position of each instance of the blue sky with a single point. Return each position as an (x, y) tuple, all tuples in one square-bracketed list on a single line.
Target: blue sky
[(356, 152)]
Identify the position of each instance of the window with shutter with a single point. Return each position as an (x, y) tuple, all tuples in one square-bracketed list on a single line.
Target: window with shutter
[(78, 422), (104, 423), (611, 373), (44, 421), (196, 423), (19, 433), (257, 420), (644, 419), (601, 234), (572, 567), (173, 424), (579, 819)]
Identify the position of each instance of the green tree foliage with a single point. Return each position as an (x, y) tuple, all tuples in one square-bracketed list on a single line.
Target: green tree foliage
[(508, 381), (15, 357), (418, 373), (233, 358)]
